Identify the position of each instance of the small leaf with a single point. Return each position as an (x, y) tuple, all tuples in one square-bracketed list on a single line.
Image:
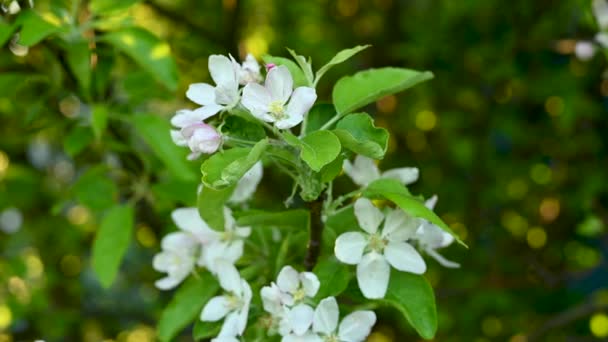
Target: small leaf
[(343, 220), (227, 168), (109, 6), (34, 28), (211, 205), (77, 140), (331, 170), (317, 149), (413, 296), (381, 186), (154, 130), (111, 243), (99, 120), (6, 32), (152, 54), (203, 330), (79, 60), (339, 58), (319, 114), (95, 190), (358, 134), (365, 87), (297, 219), (186, 305), (304, 66), (333, 275), (237, 127), (298, 76)]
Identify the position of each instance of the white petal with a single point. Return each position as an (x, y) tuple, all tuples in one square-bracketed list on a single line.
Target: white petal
[(406, 175), (178, 242), (431, 202), (441, 260), (373, 273), (257, 99), (349, 247), (231, 325), (279, 84), (162, 261), (189, 220), (201, 93), (208, 111), (248, 184), (447, 239), (602, 39), (395, 219), (186, 117), (167, 283), (242, 232), (234, 251), (225, 339), (310, 283), (600, 10), (215, 309), (429, 235), (205, 139), (404, 257), (356, 326), (363, 171), (229, 221), (223, 71), (178, 138), (300, 318), (301, 101), (368, 216), (288, 279), (307, 337), (229, 277), (326, 316)]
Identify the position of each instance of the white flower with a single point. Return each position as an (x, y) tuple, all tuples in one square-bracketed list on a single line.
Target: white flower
[(198, 136), (226, 246), (364, 171), (224, 95), (602, 39), (246, 186), (584, 50), (233, 305), (13, 7), (180, 249), (11, 220), (382, 249), (249, 71), (600, 11), (354, 328), (269, 102), (430, 237)]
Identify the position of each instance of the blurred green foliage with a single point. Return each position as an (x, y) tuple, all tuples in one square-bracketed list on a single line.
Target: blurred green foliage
[(510, 134)]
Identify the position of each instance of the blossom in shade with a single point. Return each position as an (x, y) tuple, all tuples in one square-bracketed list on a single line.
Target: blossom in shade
[(364, 171)]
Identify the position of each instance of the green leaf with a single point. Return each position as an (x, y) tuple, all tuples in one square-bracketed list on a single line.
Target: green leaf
[(203, 330), (365, 87), (413, 296), (186, 305), (95, 190), (225, 169), (333, 275), (305, 66), (152, 54), (154, 130), (109, 6), (211, 205), (298, 76), (240, 128), (339, 58), (99, 120), (343, 220), (78, 56), (34, 28), (77, 140), (358, 134), (111, 242), (6, 32), (379, 187), (332, 170), (317, 149), (297, 219), (318, 115)]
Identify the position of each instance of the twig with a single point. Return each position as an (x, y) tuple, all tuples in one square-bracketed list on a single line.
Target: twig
[(316, 232)]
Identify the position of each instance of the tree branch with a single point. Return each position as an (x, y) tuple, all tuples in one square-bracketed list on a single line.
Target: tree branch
[(316, 232)]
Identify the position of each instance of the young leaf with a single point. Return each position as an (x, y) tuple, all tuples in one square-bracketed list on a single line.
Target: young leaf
[(339, 58), (203, 330), (412, 295), (109, 6), (237, 127), (186, 305), (78, 57), (381, 186), (358, 134), (99, 120), (211, 205), (297, 219), (154, 130), (34, 28), (332, 170), (333, 275), (152, 54), (318, 115), (304, 66), (317, 149), (95, 190), (77, 140), (365, 87), (6, 32), (225, 169), (298, 76), (111, 242)]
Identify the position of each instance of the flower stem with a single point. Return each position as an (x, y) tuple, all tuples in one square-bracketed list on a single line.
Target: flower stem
[(332, 121), (316, 231)]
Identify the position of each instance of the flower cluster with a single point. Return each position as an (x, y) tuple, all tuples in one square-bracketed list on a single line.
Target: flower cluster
[(276, 101)]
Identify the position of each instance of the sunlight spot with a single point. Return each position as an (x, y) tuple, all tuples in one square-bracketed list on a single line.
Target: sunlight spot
[(426, 120), (599, 325), (160, 51), (536, 237), (6, 317), (128, 39)]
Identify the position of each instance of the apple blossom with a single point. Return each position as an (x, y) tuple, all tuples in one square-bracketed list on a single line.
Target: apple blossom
[(277, 101), (198, 136), (249, 71), (430, 238), (355, 327), (374, 252), (364, 171)]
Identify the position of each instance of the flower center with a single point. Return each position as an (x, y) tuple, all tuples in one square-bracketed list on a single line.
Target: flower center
[(377, 243), (331, 338), (227, 236), (277, 109), (299, 294), (234, 302)]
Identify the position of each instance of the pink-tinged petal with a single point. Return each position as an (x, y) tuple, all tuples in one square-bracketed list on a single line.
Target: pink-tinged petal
[(300, 318), (404, 257), (288, 279), (325, 319), (215, 309), (368, 216), (205, 139), (257, 100), (356, 326), (178, 138), (406, 175), (310, 283), (201, 93), (223, 71), (301, 101), (349, 247), (373, 273), (279, 84)]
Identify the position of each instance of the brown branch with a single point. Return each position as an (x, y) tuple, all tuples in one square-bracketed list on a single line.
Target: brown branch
[(316, 232)]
